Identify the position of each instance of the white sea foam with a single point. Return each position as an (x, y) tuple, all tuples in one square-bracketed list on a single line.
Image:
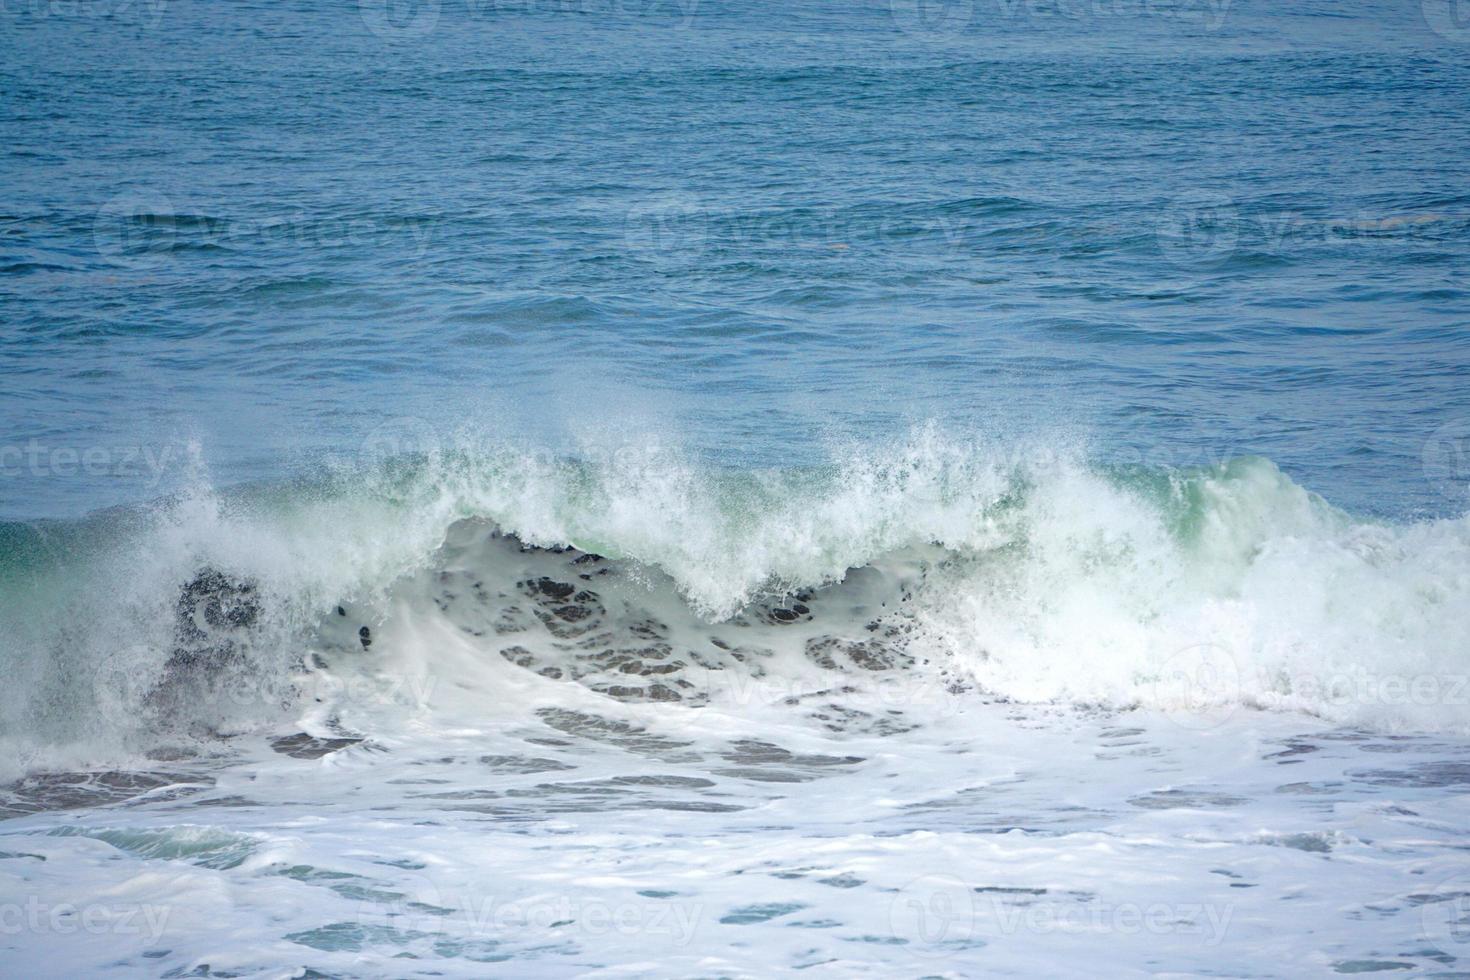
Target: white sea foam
[(777, 725), (1031, 575)]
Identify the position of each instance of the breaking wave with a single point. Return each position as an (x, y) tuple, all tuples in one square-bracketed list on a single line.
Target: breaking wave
[(644, 575)]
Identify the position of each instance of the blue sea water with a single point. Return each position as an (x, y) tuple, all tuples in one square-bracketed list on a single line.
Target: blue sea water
[(1177, 235), (673, 488)]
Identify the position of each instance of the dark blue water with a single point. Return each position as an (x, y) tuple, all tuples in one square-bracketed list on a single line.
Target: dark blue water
[(245, 237)]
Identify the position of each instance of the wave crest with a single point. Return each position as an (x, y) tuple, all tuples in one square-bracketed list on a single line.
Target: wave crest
[(1031, 575)]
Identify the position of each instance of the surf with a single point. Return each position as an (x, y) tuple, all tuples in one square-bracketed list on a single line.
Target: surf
[(1037, 575)]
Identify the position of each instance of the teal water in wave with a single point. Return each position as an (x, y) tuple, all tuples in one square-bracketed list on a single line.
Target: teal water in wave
[(252, 240)]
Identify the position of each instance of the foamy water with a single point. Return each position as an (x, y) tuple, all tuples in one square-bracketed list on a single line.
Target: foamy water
[(925, 709)]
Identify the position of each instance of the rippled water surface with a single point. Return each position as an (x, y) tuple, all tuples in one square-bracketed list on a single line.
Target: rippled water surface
[(1178, 235)]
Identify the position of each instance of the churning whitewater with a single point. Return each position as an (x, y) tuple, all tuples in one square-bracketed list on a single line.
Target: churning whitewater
[(934, 566), (922, 708)]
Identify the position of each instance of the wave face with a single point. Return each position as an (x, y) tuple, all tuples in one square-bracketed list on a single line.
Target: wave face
[(884, 583)]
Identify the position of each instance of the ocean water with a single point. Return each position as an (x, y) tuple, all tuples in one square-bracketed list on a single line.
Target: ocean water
[(663, 488)]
